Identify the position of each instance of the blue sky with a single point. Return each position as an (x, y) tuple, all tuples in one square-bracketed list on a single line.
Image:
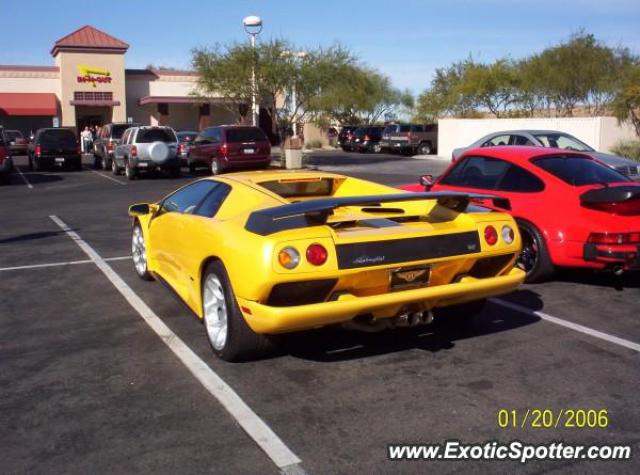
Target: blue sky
[(406, 40)]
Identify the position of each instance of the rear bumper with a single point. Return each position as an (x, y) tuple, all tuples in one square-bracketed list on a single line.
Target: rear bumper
[(267, 319), (50, 161), (627, 256), (150, 165), (253, 162)]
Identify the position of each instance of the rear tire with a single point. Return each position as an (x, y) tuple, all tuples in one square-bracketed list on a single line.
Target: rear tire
[(30, 163), (230, 337), (106, 164), (37, 165), (534, 258), (424, 149), (216, 168), (115, 169), (78, 165), (130, 172)]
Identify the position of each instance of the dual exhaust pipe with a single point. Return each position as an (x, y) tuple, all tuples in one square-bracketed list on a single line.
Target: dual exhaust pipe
[(369, 324)]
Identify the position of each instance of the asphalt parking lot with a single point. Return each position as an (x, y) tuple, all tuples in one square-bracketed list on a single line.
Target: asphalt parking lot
[(86, 385)]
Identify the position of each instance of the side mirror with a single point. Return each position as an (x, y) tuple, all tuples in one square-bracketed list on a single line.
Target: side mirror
[(141, 209), (427, 181)]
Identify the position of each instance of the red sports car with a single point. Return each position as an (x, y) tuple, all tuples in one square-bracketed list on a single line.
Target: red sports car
[(572, 210)]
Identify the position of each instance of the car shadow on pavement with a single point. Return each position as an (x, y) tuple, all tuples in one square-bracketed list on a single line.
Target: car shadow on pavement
[(629, 280), (31, 236), (335, 344)]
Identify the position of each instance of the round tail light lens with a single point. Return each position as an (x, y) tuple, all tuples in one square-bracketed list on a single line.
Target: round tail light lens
[(316, 254), (507, 234), (289, 257), (490, 235)]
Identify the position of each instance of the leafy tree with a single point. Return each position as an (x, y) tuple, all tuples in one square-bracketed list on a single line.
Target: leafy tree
[(491, 86), (361, 95), (626, 104)]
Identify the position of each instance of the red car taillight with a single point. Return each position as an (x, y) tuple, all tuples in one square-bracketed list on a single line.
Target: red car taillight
[(181, 148), (38, 150), (224, 150), (409, 136), (490, 235), (366, 138), (317, 254), (110, 147), (78, 149), (134, 151), (614, 238)]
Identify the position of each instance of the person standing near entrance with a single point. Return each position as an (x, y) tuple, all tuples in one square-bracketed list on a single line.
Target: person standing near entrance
[(86, 137)]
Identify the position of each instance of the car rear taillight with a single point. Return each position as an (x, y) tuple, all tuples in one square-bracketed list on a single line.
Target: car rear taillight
[(110, 146), (78, 149), (508, 235), (224, 150), (490, 235), (409, 136), (181, 148), (614, 238), (317, 254), (367, 138), (134, 151), (38, 150), (289, 257)]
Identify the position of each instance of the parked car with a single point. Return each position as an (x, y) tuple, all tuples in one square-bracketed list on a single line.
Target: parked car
[(17, 143), (285, 251), (147, 149), (185, 140), (107, 139), (227, 147), (552, 139), (367, 139), (6, 161), (572, 210), (345, 136), (52, 147), (410, 138)]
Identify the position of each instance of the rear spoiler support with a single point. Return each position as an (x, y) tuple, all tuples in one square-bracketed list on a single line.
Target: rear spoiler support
[(316, 212)]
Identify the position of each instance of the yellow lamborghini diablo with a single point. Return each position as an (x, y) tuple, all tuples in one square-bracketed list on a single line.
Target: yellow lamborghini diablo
[(260, 253)]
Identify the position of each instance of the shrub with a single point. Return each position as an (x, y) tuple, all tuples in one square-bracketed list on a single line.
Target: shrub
[(315, 143), (629, 149)]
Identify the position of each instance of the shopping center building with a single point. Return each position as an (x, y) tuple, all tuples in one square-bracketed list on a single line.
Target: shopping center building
[(88, 84)]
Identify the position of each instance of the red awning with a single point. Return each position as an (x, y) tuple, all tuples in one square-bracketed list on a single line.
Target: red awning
[(28, 103)]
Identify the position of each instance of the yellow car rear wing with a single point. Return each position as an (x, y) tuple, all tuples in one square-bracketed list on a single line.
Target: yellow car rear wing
[(316, 212)]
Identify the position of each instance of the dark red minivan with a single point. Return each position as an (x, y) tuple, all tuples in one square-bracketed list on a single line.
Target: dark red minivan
[(228, 147)]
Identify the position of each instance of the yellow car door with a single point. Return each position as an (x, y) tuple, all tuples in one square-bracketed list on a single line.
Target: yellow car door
[(168, 237)]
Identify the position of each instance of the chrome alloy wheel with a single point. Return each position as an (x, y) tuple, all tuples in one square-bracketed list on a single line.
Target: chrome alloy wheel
[(139, 251), (215, 312), (215, 167)]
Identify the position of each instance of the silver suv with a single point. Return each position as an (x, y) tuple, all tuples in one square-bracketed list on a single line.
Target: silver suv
[(147, 149)]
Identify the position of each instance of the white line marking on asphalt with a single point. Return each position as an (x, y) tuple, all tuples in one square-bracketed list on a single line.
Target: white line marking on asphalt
[(573, 326), (58, 264), (252, 424), (24, 178), (108, 177)]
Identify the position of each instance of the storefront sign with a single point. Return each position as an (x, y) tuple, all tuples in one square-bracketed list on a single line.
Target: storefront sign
[(93, 75)]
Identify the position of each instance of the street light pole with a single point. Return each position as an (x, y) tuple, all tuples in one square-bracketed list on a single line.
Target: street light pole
[(253, 27)]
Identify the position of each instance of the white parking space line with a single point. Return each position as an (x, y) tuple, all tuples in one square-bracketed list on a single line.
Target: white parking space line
[(573, 326), (24, 178), (58, 264), (108, 177), (252, 424)]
